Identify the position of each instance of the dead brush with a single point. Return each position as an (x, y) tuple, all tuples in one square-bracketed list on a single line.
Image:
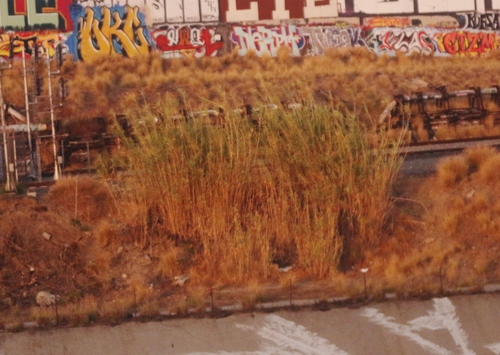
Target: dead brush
[(170, 261), (478, 156), (83, 199), (488, 172), (108, 233), (452, 170), (80, 312), (238, 194)]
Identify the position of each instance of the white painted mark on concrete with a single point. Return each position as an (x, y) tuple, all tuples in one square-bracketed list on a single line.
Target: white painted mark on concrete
[(403, 330), (281, 336), (495, 348), (287, 335), (444, 316)]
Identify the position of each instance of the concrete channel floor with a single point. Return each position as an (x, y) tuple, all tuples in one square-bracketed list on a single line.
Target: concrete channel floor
[(466, 324)]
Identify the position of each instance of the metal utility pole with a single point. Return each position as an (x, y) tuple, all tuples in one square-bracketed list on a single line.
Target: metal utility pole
[(10, 185), (52, 121), (27, 103)]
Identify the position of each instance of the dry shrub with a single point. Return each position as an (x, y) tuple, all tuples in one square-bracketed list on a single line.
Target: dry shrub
[(119, 309), (108, 233), (489, 171), (459, 233), (81, 312), (477, 156), (98, 267), (84, 199), (452, 170), (445, 132), (450, 222), (169, 264)]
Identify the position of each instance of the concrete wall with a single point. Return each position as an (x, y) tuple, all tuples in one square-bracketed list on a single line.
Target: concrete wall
[(307, 27)]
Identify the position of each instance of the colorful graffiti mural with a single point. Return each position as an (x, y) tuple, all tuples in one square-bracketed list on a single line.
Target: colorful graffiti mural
[(467, 43), (267, 40), (181, 41), (477, 21), (387, 22), (198, 28), (108, 30), (432, 41), (45, 42), (408, 40), (320, 38)]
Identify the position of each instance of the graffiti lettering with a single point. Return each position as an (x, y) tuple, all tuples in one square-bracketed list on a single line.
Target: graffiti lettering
[(321, 38), (432, 40), (34, 16), (187, 41), (45, 42), (102, 30), (264, 40), (488, 21), (387, 22), (470, 43), (409, 41), (444, 24)]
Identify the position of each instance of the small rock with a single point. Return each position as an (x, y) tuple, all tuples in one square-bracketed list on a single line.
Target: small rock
[(391, 295), (124, 276), (180, 280), (30, 325), (285, 269), (428, 240), (491, 288), (46, 299), (46, 236), (120, 249)]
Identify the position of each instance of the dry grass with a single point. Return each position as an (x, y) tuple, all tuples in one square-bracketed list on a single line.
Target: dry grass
[(456, 242), (232, 202), (355, 77), (230, 205), (84, 199), (452, 171)]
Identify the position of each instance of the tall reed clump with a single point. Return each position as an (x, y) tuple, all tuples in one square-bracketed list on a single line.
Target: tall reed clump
[(299, 187)]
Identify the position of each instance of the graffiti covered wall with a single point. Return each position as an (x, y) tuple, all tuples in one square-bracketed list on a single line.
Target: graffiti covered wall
[(108, 30), (183, 40), (90, 28)]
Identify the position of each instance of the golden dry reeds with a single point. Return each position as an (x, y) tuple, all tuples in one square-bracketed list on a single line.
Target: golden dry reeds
[(301, 187), (452, 170)]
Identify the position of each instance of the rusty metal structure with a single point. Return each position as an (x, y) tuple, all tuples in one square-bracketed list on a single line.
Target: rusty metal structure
[(439, 107)]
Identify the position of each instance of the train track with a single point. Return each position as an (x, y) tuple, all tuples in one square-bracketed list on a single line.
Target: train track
[(411, 153), (448, 146)]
